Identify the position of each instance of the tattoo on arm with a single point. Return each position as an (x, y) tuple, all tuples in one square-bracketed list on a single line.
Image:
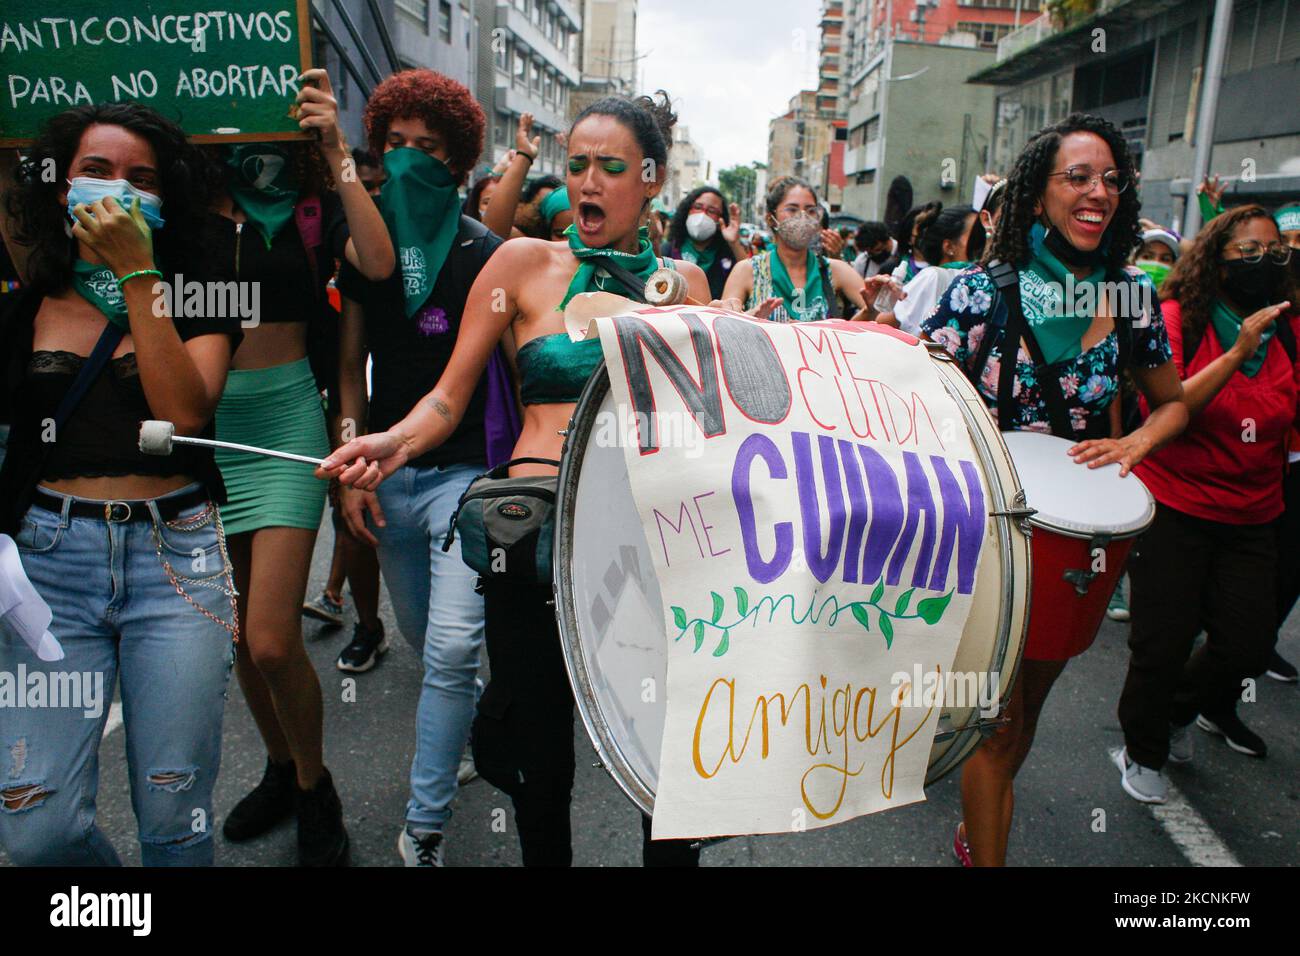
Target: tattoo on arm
[(441, 407)]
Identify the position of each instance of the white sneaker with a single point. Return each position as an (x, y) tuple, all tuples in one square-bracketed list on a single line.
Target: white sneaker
[(422, 848), (1181, 743), (467, 771), (1141, 783)]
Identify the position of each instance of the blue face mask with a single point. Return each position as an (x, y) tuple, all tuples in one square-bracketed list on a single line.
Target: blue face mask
[(86, 189)]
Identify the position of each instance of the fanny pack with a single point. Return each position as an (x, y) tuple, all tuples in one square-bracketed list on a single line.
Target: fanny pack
[(507, 525)]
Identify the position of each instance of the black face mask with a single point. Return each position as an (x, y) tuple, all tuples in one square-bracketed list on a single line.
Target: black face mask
[(1063, 249), (1253, 285), (879, 257)]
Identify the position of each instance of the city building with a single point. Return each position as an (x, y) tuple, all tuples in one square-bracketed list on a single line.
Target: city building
[(530, 51), (911, 113), (1138, 63), (799, 141), (687, 167), (437, 34), (609, 44)]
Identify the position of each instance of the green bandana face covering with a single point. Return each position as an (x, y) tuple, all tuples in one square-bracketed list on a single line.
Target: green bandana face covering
[(588, 277), (1227, 325), (1044, 286), (422, 211), (810, 305), (98, 286), (1158, 271), (263, 184)]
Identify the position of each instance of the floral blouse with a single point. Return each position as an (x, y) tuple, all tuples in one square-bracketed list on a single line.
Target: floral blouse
[(1089, 381)]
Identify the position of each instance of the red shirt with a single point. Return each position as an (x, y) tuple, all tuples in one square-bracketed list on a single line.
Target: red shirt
[(1223, 467)]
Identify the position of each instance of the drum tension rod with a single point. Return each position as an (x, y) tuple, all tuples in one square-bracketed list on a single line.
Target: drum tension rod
[(1018, 511), (1082, 579)]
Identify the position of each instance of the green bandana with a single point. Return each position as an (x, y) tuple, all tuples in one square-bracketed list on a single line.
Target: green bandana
[(422, 211), (1227, 324), (262, 183), (1042, 287), (556, 202), (98, 286), (955, 265), (1157, 271), (704, 258), (1208, 209), (814, 302), (586, 279), (1287, 218)]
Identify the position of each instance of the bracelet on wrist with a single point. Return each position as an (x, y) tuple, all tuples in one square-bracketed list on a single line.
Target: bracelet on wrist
[(122, 280), (526, 156)]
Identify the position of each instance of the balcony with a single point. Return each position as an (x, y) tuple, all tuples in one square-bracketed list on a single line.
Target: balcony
[(531, 36), (1035, 31), (572, 10)]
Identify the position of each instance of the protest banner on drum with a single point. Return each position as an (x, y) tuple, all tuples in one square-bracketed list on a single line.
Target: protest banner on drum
[(815, 511), (222, 71)]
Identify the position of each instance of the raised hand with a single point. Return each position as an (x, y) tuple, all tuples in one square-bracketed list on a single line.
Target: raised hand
[(319, 111), (731, 231), (525, 145), (120, 237)]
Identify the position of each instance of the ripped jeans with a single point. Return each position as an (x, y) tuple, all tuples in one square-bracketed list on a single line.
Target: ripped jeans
[(115, 589)]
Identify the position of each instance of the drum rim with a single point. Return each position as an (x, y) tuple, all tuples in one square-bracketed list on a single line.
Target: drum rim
[(611, 755)]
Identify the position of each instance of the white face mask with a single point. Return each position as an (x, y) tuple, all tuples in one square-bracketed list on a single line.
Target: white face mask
[(87, 189), (701, 226)]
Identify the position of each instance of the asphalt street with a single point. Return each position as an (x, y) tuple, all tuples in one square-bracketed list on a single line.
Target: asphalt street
[(1234, 809)]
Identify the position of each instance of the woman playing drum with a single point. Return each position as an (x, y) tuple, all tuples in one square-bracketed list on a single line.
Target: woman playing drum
[(1068, 222), (523, 735)]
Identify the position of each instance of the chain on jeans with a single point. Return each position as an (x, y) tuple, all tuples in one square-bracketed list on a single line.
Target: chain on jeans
[(209, 514)]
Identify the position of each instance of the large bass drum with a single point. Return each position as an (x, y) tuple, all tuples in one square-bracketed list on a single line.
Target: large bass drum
[(608, 604)]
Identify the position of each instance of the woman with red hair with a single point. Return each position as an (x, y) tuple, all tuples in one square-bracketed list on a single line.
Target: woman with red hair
[(428, 129)]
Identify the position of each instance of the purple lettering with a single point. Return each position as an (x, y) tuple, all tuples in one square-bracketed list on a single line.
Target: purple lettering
[(760, 446)]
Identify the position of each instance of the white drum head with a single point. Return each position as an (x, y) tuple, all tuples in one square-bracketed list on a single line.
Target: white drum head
[(1074, 499)]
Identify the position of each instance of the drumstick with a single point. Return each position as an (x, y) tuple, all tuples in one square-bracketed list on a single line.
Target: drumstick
[(157, 438)]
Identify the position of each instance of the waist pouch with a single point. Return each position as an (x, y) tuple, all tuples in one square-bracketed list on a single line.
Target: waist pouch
[(507, 525)]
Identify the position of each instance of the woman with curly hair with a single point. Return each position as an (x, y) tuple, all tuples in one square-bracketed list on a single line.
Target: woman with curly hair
[(280, 217), (126, 548), (705, 230), (428, 128), (1218, 494), (523, 734), (1068, 220)]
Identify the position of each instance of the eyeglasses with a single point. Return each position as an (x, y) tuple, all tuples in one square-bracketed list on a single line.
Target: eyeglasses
[(1252, 251), (1082, 179), (707, 210)]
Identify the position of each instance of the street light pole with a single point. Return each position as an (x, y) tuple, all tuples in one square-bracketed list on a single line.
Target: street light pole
[(1211, 80)]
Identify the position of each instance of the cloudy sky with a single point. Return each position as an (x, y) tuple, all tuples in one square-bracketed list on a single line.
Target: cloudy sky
[(730, 66)]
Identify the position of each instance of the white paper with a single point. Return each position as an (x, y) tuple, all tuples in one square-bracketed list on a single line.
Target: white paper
[(24, 613), (980, 193), (815, 512)]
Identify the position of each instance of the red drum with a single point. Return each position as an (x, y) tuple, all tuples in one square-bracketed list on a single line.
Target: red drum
[(1085, 524)]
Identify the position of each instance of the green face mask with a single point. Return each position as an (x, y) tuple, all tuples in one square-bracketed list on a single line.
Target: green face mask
[(263, 184), (1158, 271), (98, 286), (422, 211)]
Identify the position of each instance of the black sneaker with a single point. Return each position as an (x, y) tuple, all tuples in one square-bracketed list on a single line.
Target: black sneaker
[(1239, 737), (1279, 668), (364, 651), (322, 839), (269, 803)]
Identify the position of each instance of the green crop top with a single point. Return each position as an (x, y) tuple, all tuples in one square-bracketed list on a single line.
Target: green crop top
[(553, 368)]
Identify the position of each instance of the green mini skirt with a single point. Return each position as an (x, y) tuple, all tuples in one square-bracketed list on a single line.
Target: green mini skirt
[(277, 408)]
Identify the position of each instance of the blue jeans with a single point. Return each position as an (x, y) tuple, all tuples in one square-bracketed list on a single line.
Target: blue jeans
[(117, 613), (441, 617)]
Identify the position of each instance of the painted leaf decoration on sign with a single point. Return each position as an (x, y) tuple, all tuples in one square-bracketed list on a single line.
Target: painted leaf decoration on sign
[(742, 601), (699, 634), (904, 599), (725, 643), (679, 618), (879, 592), (718, 605), (887, 629), (860, 615), (931, 609)]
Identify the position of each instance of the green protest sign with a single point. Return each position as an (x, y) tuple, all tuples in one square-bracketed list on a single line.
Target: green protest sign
[(224, 70)]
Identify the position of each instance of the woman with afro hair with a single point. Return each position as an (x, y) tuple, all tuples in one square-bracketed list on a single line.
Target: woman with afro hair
[(1069, 220)]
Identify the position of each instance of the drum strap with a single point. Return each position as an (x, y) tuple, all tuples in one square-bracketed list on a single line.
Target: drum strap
[(635, 287), (1007, 279)]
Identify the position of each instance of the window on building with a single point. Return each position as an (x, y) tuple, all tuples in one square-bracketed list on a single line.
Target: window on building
[(548, 92), (502, 55), (520, 68), (417, 10), (537, 12), (535, 76), (873, 129), (444, 20), (1113, 80), (987, 35), (499, 123)]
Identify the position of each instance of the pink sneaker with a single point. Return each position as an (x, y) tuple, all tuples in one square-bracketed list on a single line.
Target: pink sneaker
[(960, 848)]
